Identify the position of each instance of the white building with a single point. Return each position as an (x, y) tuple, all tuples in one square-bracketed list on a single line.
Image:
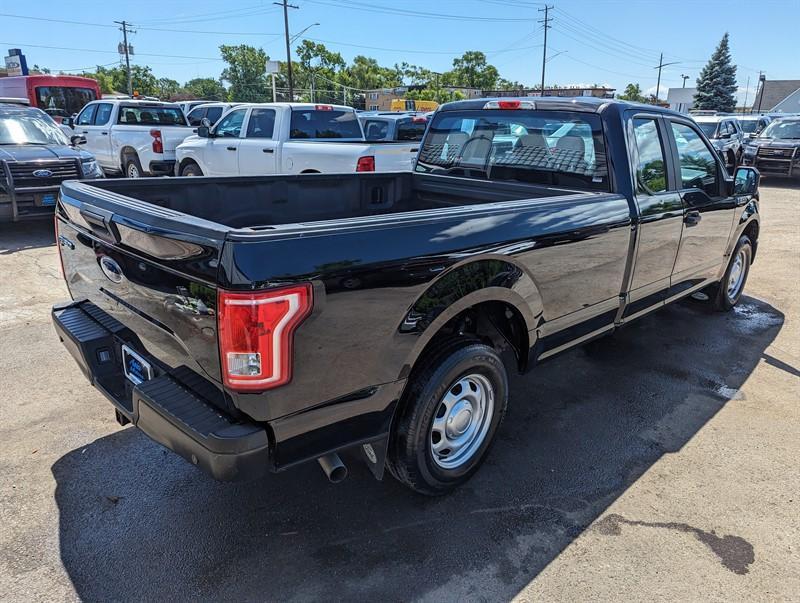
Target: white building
[(681, 99)]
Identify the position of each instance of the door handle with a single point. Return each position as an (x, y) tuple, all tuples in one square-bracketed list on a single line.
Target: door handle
[(692, 218), (415, 150), (231, 148), (84, 131), (104, 133), (268, 150)]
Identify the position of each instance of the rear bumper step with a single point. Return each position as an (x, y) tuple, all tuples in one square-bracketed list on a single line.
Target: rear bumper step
[(163, 408)]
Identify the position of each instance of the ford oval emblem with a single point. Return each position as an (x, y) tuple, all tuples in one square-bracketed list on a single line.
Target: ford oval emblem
[(111, 269), (43, 173)]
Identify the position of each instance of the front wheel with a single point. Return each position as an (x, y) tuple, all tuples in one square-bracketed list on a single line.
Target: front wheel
[(449, 416), (191, 169), (729, 290)]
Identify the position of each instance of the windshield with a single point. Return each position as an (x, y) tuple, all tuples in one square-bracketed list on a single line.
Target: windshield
[(152, 116), (708, 127), (749, 126), (325, 123), (782, 129), (63, 101), (542, 147), (30, 128)]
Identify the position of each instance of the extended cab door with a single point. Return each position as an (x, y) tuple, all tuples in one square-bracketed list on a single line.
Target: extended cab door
[(97, 139), (222, 151), (660, 212), (257, 150), (708, 207)]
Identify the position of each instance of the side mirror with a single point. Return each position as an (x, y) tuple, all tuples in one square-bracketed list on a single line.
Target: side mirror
[(69, 122), (725, 135), (204, 132), (205, 122), (745, 181), (77, 139)]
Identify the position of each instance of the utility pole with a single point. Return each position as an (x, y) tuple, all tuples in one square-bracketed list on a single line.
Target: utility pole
[(286, 6), (124, 27), (685, 77), (746, 88), (546, 21), (661, 65)]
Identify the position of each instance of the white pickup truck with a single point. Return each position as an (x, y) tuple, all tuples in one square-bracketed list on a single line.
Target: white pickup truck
[(132, 137), (289, 138)]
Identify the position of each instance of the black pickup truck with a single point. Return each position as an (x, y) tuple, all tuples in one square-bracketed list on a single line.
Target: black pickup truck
[(250, 324)]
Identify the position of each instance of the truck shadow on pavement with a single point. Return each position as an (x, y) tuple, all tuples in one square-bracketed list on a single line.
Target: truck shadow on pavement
[(19, 236), (139, 523)]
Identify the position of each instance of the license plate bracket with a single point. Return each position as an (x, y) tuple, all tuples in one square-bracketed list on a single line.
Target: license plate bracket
[(135, 367)]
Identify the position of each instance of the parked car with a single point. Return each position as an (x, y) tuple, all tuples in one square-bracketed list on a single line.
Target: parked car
[(288, 138), (251, 324), (35, 157), (752, 125), (393, 125), (132, 137), (210, 111), (776, 150), (726, 135)]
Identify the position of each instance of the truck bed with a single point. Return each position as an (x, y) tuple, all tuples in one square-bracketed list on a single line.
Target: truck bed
[(264, 202)]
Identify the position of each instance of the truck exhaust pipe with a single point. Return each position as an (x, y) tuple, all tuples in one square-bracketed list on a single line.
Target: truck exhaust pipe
[(333, 467)]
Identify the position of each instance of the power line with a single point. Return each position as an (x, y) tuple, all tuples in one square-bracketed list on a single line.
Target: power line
[(386, 10), (95, 50)]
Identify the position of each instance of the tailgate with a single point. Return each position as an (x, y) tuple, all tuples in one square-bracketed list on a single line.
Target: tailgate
[(172, 136), (152, 269), (394, 156)]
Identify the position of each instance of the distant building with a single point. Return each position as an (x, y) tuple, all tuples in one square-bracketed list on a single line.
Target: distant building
[(565, 91), (381, 99), (778, 96), (681, 99)]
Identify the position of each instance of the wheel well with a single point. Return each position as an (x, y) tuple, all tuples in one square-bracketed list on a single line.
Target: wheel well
[(497, 323), (126, 152), (751, 230), (185, 162), (310, 172)]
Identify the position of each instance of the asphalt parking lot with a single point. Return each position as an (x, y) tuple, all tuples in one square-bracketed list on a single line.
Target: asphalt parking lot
[(658, 464)]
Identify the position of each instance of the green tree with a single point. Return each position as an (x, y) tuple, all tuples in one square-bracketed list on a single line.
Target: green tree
[(472, 71), (206, 88), (103, 78), (142, 78), (245, 73), (633, 92), (167, 88), (366, 74), (716, 86)]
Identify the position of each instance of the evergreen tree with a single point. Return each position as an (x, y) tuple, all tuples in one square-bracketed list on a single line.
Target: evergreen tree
[(716, 86)]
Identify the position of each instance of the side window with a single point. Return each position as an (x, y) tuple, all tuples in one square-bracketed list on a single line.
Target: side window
[(87, 116), (698, 163), (213, 114), (231, 124), (261, 124), (651, 171), (196, 116), (103, 114)]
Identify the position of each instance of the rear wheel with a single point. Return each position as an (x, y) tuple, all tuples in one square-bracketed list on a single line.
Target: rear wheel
[(191, 169), (450, 413), (133, 169), (727, 293)]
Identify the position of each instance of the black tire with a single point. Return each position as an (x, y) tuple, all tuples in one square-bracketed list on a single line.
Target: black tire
[(411, 457), (191, 169), (132, 168), (724, 296)]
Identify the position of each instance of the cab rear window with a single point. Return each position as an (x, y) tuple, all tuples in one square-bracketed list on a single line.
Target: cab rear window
[(559, 148), (330, 123), (151, 116)]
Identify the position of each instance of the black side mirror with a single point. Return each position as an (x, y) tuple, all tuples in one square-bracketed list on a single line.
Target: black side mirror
[(725, 135), (204, 132), (745, 181), (205, 122), (77, 139), (69, 122)]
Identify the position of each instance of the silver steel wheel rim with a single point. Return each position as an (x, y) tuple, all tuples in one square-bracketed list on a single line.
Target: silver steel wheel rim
[(462, 420), (133, 171), (736, 278)]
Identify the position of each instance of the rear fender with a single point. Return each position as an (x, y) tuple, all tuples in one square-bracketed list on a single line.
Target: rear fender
[(466, 285)]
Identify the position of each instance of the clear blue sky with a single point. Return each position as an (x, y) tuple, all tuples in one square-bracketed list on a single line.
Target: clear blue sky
[(602, 41)]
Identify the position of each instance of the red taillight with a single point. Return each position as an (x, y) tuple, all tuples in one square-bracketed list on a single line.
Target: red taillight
[(158, 143), (323, 107), (366, 164), (418, 120), (255, 335), (509, 104)]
